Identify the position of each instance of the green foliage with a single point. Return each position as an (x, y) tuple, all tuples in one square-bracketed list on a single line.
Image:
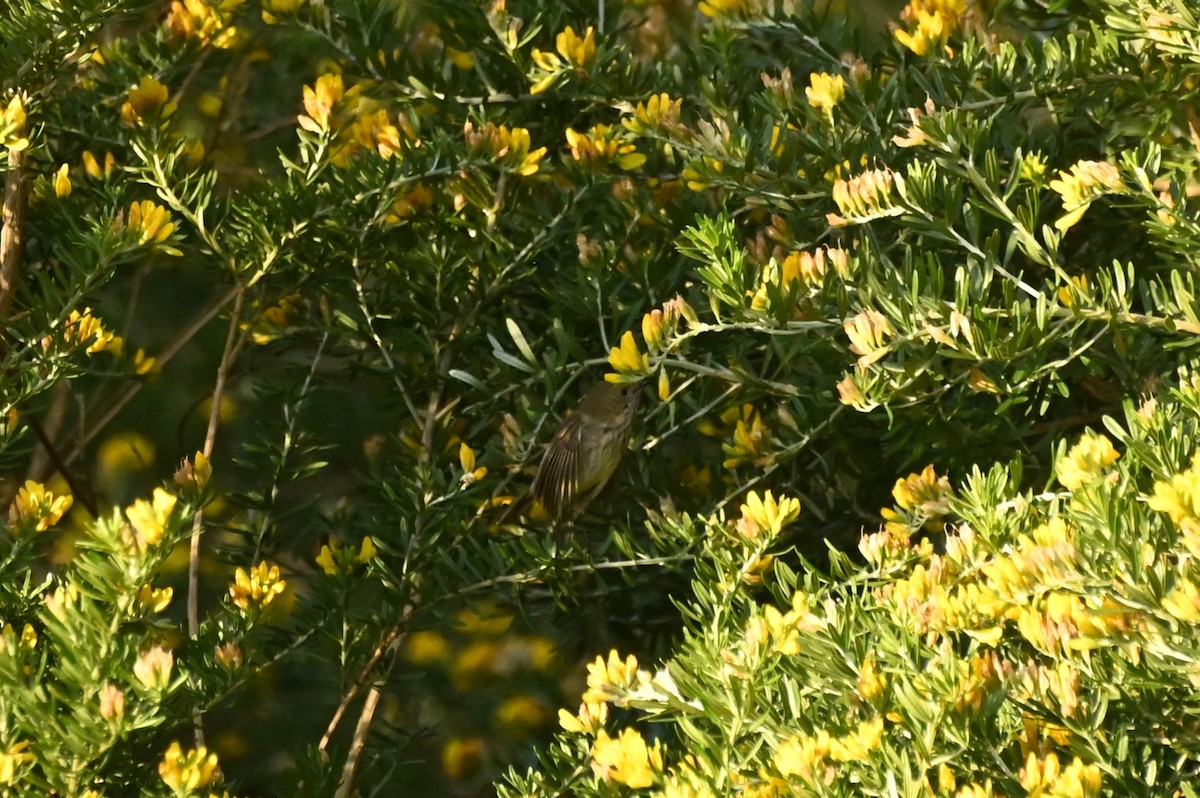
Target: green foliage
[(1048, 649), (384, 247)]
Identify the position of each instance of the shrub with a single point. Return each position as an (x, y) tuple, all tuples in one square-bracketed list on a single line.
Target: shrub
[(384, 248)]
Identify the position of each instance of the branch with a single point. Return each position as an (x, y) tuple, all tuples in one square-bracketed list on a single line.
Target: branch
[(233, 345), (10, 235)]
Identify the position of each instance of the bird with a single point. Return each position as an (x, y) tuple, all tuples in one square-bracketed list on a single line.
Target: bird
[(583, 454)]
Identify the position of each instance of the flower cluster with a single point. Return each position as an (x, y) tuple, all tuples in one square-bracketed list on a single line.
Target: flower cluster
[(256, 588), (335, 560), (1081, 185), (930, 24), (602, 144), (784, 283), (508, 147), (575, 56), (659, 112), (825, 91), (186, 772), (12, 125), (146, 102), (36, 509), (149, 520), (208, 23), (865, 197)]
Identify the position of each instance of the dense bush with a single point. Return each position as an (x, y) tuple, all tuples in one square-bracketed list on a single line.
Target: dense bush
[(352, 260)]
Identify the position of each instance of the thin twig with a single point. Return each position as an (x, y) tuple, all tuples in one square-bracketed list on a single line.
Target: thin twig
[(346, 785), (389, 639), (233, 342)]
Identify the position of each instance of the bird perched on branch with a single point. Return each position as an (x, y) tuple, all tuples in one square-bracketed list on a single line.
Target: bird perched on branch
[(584, 453)]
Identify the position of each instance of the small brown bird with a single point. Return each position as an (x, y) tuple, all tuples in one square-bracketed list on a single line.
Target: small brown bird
[(584, 453)]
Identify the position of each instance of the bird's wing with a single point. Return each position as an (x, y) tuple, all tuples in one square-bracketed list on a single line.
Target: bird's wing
[(557, 476)]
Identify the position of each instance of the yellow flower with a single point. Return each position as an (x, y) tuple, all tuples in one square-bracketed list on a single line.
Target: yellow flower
[(579, 53), (931, 34), (1070, 294), (149, 518), (935, 20), (93, 168), (334, 559), (591, 718), (152, 225), (627, 361), (11, 761), (409, 204), (194, 474), (508, 147), (664, 386), (802, 755), (870, 683), (700, 174), (607, 677), (778, 628), (153, 668), (858, 744), (12, 125), (660, 325), (715, 9), (914, 136), (369, 131), (602, 143), (1046, 777), (825, 91), (36, 508), (626, 759), (62, 182), (154, 599), (864, 197), (751, 440), (921, 500), (146, 100), (869, 333), (466, 459), (9, 642), (91, 165), (319, 100), (1183, 602), (1086, 460), (1179, 498), (1085, 182), (1033, 167), (188, 772), (657, 112), (206, 21), (766, 517), (259, 586), (88, 328), (575, 54), (63, 600), (850, 393)]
